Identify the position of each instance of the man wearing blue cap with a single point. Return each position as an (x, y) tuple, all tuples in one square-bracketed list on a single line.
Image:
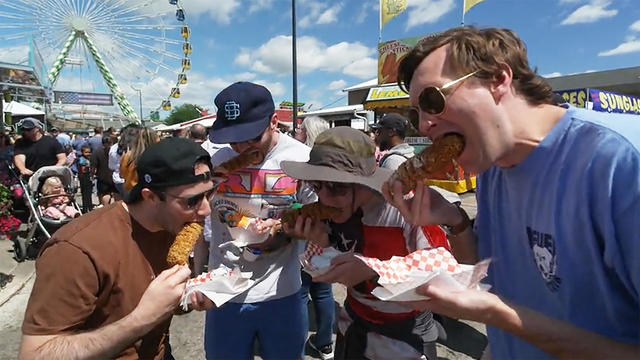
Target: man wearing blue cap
[(35, 150), (271, 310)]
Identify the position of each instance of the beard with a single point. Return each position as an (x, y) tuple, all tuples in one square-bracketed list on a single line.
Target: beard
[(385, 144)]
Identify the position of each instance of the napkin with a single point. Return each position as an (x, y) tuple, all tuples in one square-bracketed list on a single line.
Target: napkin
[(400, 276), (317, 260), (219, 285)]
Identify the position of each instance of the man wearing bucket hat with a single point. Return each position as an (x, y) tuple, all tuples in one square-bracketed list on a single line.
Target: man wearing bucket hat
[(246, 120), (103, 289), (342, 170), (35, 150)]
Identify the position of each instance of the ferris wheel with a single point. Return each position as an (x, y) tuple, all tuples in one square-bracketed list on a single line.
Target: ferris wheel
[(109, 46)]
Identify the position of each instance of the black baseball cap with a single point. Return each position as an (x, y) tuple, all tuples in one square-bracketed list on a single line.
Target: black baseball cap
[(244, 111), (393, 121), (169, 162)]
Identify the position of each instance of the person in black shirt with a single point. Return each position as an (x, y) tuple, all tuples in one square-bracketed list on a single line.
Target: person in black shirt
[(35, 150)]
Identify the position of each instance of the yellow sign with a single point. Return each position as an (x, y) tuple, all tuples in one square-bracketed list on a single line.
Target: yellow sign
[(390, 92), (575, 97)]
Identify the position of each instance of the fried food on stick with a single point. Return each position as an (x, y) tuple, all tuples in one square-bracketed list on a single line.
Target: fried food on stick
[(443, 151), (183, 244), (316, 211), (250, 156)]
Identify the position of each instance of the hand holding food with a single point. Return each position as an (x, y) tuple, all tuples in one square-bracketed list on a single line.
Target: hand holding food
[(443, 151), (183, 244)]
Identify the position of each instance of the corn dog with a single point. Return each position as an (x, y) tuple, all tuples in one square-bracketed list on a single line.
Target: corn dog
[(183, 244)]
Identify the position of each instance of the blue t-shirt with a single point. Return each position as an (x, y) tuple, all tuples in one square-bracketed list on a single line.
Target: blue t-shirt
[(562, 229)]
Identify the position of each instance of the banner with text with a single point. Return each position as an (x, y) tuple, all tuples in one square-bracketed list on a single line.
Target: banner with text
[(608, 101), (389, 55)]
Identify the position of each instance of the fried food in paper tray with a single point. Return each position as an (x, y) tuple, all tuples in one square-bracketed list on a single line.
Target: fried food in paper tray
[(442, 152), (219, 285), (400, 276), (183, 244)]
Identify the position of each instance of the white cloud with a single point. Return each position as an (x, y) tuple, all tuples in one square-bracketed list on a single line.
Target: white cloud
[(365, 8), (590, 13), (243, 58), (274, 57), (318, 13), (635, 26), (15, 54), (337, 84), (364, 68), (330, 15), (427, 11), (552, 75), (630, 46), (221, 11)]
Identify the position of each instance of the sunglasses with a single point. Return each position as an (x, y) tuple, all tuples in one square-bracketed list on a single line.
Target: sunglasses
[(193, 202), (337, 189), (433, 100)]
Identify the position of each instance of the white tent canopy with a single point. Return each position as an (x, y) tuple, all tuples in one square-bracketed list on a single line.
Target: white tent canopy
[(16, 108), (206, 121)]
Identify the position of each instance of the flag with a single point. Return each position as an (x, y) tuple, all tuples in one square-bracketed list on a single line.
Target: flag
[(468, 4), (390, 9), (68, 97)]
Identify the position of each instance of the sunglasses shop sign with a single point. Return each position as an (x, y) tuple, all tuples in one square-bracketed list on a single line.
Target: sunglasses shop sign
[(600, 100)]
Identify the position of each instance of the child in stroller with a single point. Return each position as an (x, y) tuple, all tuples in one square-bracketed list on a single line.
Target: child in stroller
[(55, 201)]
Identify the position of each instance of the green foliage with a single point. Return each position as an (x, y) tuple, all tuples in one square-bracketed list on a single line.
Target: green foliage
[(182, 113)]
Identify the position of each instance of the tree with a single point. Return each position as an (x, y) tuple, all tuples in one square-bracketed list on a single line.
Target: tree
[(182, 113)]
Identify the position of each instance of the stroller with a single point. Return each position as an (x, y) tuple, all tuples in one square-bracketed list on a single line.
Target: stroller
[(40, 227)]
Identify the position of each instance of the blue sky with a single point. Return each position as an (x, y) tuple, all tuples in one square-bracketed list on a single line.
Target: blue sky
[(337, 42)]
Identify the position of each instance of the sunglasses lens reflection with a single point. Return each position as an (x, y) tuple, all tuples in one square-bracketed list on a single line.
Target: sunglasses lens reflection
[(432, 101)]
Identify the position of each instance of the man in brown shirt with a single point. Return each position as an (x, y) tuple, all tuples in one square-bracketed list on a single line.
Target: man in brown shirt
[(102, 288)]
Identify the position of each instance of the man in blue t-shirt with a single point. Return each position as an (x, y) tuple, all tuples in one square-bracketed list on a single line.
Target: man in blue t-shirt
[(558, 201)]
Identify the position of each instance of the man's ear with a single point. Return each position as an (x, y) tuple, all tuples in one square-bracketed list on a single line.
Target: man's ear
[(273, 124), (502, 82), (148, 195)]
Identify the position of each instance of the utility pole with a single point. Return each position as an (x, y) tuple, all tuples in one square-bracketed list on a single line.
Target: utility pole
[(294, 114)]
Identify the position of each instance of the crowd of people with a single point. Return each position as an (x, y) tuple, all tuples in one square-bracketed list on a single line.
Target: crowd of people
[(558, 198)]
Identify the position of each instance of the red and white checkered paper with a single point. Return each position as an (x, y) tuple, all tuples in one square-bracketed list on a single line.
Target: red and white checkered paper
[(219, 285), (316, 260), (397, 269)]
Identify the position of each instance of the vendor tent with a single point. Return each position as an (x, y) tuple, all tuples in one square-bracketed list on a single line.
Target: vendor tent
[(18, 109)]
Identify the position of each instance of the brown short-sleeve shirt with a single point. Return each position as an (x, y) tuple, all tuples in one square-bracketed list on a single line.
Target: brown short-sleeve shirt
[(93, 272)]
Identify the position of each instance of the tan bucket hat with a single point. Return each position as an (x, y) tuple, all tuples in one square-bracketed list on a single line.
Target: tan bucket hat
[(341, 154)]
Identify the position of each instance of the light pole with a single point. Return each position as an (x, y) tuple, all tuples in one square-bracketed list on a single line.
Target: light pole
[(294, 56), (140, 99)]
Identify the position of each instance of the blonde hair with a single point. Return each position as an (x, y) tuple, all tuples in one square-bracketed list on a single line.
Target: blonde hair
[(51, 184), (146, 137)]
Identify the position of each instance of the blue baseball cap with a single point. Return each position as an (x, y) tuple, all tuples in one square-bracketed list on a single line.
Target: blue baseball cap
[(244, 112)]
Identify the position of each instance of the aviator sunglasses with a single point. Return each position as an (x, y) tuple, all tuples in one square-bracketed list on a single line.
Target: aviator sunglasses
[(335, 188), (433, 100)]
